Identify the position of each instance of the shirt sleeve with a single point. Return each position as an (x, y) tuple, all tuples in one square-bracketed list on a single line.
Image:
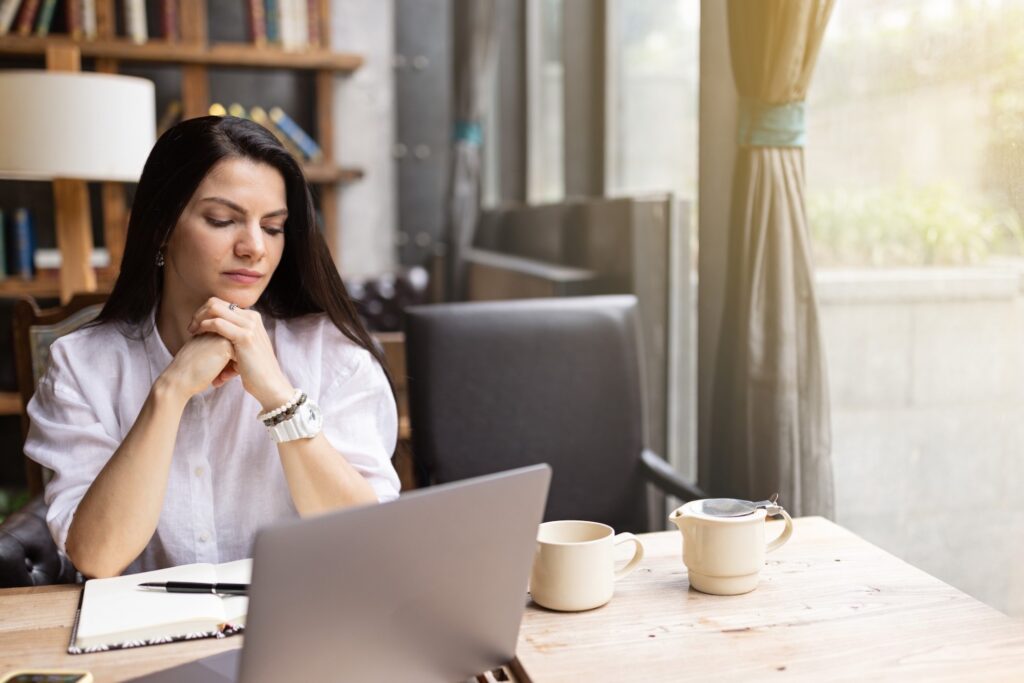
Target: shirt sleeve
[(67, 437), (361, 423)]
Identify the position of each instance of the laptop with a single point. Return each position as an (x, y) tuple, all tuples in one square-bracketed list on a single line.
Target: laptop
[(430, 587)]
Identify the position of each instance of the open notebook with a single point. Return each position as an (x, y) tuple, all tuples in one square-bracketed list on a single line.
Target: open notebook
[(115, 613)]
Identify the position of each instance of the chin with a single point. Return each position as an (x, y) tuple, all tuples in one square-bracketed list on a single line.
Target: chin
[(244, 297)]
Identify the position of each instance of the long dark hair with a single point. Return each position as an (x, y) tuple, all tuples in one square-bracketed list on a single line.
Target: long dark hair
[(306, 281)]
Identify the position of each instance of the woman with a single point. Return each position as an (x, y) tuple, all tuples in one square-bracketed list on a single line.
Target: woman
[(228, 381)]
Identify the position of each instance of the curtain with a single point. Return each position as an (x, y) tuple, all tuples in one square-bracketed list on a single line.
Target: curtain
[(476, 38), (770, 422)]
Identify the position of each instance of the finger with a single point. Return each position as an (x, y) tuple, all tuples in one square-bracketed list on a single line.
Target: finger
[(218, 308), (225, 376), (235, 334)]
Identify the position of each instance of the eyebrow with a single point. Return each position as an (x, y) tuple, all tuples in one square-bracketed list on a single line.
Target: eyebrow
[(231, 205)]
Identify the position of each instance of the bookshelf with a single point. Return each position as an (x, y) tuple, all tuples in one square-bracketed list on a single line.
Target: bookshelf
[(195, 54)]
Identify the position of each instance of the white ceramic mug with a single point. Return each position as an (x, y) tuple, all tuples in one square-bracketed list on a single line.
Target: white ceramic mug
[(574, 566), (724, 555)]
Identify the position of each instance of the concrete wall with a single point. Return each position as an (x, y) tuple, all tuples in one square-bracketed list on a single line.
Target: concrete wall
[(927, 382), (364, 110)]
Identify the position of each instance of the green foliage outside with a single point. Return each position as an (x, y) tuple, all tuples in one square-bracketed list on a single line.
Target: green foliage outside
[(11, 500), (905, 226)]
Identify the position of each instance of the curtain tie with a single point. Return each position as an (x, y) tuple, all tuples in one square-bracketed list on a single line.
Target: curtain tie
[(770, 125), (469, 132)]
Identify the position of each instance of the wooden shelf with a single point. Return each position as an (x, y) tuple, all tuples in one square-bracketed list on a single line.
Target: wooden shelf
[(329, 173), (47, 284), (10, 403), (219, 54)]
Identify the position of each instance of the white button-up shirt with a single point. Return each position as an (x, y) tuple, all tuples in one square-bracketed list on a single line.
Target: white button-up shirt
[(226, 479)]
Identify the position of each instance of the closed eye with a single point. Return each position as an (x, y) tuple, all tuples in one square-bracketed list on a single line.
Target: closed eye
[(218, 224), (273, 231)]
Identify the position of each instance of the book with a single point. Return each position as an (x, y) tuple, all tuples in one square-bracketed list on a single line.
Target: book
[(170, 117), (169, 20), (115, 613), (21, 245), (45, 17), (313, 18), (135, 21), (257, 22), (74, 18), (259, 115), (89, 19), (300, 137), (272, 15), (3, 243), (27, 16), (8, 10)]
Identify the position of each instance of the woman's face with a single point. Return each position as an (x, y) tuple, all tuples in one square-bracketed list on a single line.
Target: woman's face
[(229, 239)]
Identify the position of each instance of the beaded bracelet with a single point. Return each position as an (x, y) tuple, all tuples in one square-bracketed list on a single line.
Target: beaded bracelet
[(263, 417), (286, 415)]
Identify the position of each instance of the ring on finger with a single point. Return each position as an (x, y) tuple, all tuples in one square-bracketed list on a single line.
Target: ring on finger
[(232, 307)]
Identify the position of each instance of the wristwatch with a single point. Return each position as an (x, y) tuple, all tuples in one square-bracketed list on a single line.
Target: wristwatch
[(304, 421)]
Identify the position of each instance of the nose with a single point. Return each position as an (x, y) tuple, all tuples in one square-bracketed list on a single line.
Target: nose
[(250, 243)]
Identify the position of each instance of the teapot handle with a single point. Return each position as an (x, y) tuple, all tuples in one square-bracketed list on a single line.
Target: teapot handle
[(784, 536)]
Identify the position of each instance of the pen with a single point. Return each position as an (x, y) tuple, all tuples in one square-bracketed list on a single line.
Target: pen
[(192, 587)]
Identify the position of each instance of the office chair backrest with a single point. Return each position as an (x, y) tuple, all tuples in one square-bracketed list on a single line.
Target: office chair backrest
[(35, 330), (497, 385)]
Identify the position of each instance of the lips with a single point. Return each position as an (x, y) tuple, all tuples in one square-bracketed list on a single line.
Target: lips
[(244, 277)]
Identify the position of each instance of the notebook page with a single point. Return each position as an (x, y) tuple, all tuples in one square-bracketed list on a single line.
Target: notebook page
[(235, 606), (116, 609)]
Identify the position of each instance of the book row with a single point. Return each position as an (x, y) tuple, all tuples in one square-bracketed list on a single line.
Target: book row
[(294, 25), (296, 140)]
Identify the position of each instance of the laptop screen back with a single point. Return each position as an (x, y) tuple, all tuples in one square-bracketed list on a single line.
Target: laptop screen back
[(430, 587)]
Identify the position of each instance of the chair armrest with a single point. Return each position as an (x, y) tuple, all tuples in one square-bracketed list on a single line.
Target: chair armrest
[(661, 474), (494, 275), (28, 555)]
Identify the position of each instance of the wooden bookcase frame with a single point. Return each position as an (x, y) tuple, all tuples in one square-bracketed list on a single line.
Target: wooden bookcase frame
[(195, 54)]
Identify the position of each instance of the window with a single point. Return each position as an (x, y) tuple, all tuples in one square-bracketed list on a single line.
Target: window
[(545, 117), (654, 64), (915, 171)]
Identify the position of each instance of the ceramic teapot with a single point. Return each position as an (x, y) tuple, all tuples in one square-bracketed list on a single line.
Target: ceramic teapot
[(723, 542)]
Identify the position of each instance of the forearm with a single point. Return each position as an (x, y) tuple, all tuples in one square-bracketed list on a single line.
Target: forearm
[(119, 513), (320, 478)]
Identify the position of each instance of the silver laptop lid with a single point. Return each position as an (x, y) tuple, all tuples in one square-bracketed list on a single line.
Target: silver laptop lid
[(430, 587)]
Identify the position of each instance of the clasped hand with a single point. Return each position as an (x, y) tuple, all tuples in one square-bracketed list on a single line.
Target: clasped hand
[(228, 342)]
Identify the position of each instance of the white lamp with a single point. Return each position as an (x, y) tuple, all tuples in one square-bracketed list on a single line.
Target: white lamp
[(70, 127)]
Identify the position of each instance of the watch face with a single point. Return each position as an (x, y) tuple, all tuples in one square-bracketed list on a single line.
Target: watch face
[(314, 418)]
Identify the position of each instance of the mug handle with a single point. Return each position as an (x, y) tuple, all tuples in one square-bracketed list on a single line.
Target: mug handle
[(784, 536), (637, 556)]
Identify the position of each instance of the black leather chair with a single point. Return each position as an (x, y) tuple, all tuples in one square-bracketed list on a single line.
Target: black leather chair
[(28, 555), (497, 385)]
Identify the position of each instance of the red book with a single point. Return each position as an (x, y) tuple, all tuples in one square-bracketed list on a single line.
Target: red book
[(169, 20), (257, 22), (313, 18), (27, 16), (75, 18)]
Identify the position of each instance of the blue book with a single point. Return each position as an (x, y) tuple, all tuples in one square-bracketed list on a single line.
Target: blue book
[(21, 256), (3, 241), (299, 137), (273, 19)]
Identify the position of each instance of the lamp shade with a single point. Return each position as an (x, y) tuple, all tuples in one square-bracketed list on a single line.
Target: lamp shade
[(74, 125)]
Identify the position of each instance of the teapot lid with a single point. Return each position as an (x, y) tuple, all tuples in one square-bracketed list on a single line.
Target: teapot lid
[(736, 507)]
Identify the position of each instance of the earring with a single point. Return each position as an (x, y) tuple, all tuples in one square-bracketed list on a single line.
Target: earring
[(159, 259)]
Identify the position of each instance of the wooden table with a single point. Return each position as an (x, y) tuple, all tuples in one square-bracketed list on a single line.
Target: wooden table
[(830, 607)]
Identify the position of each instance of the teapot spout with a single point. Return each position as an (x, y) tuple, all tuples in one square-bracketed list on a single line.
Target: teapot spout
[(677, 517)]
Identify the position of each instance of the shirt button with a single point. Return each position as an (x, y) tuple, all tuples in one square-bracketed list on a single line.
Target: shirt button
[(203, 538), (199, 471)]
